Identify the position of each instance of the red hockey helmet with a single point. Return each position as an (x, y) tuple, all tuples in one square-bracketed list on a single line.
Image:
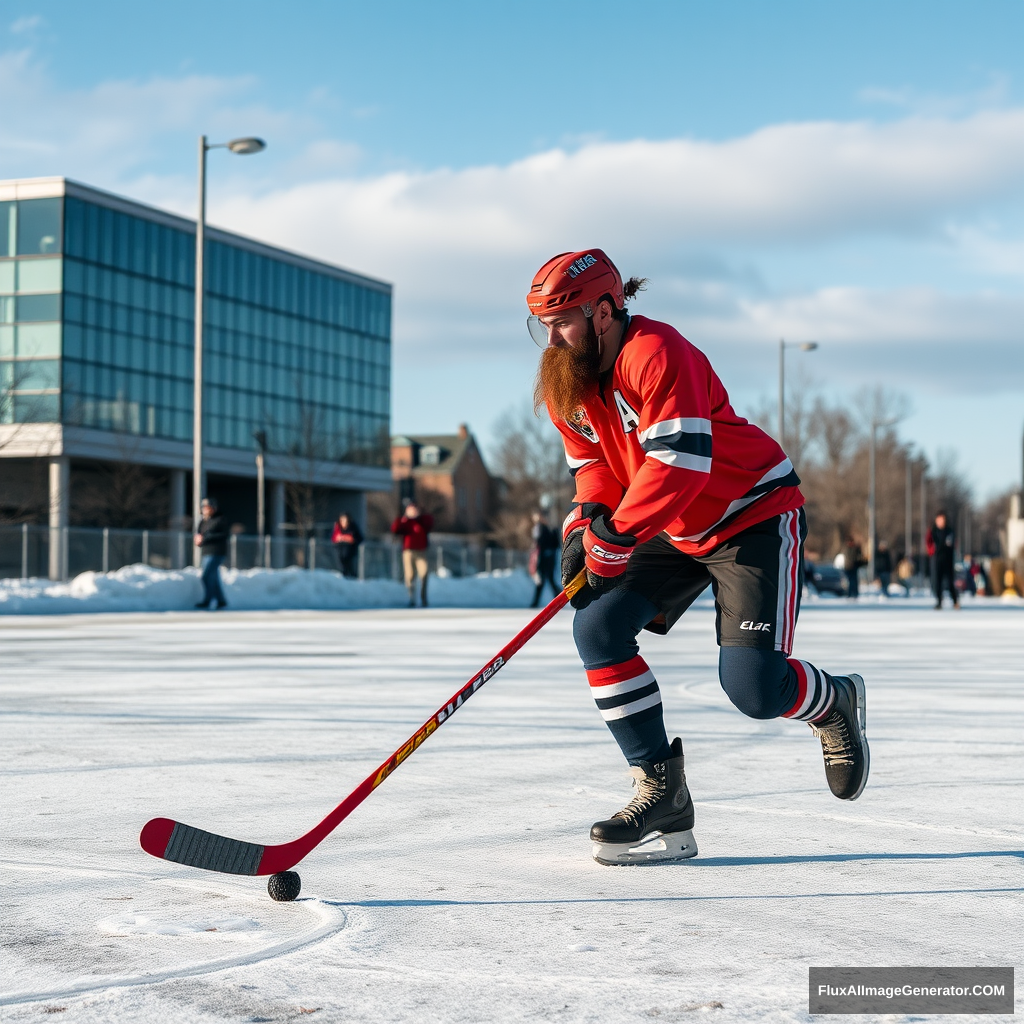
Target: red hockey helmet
[(573, 278)]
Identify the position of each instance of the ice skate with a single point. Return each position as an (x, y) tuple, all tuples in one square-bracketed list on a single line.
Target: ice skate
[(844, 743), (656, 825)]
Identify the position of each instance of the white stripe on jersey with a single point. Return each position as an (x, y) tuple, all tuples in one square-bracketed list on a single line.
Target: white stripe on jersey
[(681, 424), (682, 460)]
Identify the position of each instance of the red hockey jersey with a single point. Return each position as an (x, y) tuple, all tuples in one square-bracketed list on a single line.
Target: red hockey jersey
[(663, 447)]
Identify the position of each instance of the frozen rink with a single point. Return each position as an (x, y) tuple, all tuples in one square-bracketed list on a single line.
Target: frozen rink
[(463, 889)]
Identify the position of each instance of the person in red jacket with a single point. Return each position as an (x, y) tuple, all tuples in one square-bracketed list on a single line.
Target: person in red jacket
[(674, 492), (414, 528), (346, 538)]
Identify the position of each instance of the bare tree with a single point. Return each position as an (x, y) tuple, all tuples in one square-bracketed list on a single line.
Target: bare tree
[(829, 443), (990, 522), (122, 493), (310, 443), (529, 458)]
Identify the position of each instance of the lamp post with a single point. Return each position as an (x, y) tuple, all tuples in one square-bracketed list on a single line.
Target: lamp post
[(242, 147), (804, 346), (260, 437), (875, 424), (908, 527)]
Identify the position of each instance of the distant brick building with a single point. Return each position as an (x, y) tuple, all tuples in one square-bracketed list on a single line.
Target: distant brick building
[(446, 475)]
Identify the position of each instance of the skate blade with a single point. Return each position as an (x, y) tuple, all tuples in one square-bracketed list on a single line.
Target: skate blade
[(862, 721), (651, 849)]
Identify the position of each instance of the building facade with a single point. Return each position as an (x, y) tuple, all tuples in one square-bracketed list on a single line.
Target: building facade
[(446, 475), (96, 357)]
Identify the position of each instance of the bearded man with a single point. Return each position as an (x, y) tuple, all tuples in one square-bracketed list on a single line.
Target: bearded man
[(674, 491)]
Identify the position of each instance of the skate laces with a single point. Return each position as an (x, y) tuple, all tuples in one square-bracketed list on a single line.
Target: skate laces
[(834, 733), (649, 790)]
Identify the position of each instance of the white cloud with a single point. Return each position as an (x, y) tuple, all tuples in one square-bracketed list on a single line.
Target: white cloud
[(25, 24), (461, 244), (791, 183), (118, 131)]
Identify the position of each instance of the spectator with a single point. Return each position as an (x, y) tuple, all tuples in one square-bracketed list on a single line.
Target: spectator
[(981, 582), (852, 562), (905, 573), (941, 544), (542, 556), (414, 528), (346, 538), (212, 540), (969, 586), (883, 567)]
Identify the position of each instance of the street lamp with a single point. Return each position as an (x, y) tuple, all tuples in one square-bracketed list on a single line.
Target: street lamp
[(804, 346), (875, 424), (260, 436), (242, 147)]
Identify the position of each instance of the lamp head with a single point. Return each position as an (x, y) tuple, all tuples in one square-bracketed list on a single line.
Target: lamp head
[(247, 145), (809, 346)]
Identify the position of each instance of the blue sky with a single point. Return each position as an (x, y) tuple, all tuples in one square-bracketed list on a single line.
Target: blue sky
[(848, 172)]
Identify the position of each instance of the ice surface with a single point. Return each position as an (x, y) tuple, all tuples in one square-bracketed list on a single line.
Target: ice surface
[(143, 588), (463, 889)]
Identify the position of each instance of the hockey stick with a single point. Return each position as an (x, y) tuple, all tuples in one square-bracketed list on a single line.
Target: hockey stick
[(172, 840)]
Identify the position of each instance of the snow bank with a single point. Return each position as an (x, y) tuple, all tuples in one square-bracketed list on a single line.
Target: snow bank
[(141, 588)]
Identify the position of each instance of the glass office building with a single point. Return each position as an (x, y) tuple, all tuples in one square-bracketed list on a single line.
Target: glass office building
[(96, 339)]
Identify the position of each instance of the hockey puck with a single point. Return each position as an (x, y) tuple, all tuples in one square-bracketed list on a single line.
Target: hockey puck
[(284, 886)]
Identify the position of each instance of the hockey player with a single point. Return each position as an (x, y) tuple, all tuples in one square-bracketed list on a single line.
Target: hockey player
[(674, 491)]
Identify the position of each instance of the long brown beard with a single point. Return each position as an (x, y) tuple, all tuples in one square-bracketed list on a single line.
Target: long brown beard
[(568, 376)]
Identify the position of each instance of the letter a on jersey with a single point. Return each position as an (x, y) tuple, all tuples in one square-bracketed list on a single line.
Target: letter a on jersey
[(628, 415)]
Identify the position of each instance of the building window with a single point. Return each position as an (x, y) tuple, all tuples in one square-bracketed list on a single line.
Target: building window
[(430, 455), (30, 227)]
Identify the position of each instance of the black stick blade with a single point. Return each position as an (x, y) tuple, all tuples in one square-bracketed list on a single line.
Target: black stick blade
[(183, 844)]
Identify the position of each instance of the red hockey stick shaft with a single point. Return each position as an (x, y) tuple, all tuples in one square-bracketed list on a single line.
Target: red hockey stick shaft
[(156, 834)]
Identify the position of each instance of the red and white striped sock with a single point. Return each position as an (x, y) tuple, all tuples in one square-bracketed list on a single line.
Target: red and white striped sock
[(629, 700), (815, 692)]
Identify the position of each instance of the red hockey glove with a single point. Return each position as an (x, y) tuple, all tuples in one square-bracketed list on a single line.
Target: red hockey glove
[(607, 554), (575, 525)]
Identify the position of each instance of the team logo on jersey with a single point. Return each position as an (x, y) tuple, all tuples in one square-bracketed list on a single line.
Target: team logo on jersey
[(757, 627), (578, 266), (578, 421), (629, 416)]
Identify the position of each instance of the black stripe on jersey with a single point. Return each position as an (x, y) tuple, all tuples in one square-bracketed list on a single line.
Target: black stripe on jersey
[(789, 480), (680, 441)]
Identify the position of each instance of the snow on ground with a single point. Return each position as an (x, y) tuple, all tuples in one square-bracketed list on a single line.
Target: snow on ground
[(142, 588), (463, 889)]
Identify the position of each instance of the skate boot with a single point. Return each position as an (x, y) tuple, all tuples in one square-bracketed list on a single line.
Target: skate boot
[(844, 743), (656, 824)]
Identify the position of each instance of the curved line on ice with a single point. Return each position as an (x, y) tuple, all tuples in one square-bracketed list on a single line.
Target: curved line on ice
[(332, 920)]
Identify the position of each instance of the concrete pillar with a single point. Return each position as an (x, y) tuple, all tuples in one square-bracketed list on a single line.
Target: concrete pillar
[(178, 509), (60, 481), (359, 511), (278, 506)]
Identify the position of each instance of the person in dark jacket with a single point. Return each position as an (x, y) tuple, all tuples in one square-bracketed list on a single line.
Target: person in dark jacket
[(542, 556), (941, 544), (414, 528), (883, 567), (346, 538), (212, 539), (852, 561)]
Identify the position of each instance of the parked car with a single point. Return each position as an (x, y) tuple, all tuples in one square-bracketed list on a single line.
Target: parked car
[(822, 578)]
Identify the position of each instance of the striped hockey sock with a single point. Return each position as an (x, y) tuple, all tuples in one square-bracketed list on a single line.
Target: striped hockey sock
[(629, 700), (815, 692)]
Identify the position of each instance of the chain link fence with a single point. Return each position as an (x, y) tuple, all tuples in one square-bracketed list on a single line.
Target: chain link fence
[(25, 551)]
